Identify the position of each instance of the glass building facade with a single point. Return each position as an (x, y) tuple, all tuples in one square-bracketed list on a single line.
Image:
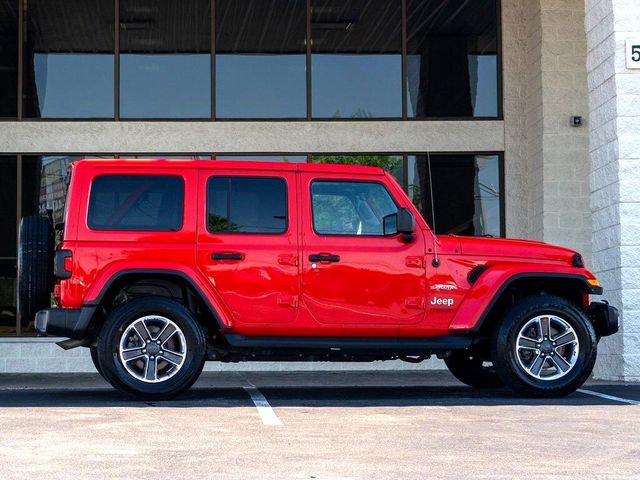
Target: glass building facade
[(252, 60)]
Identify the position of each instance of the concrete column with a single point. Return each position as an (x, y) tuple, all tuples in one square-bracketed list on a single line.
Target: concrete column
[(557, 152), (614, 150)]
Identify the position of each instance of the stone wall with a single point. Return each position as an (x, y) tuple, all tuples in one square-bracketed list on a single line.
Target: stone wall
[(614, 146)]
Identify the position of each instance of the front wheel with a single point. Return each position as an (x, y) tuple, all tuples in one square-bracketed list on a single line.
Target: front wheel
[(544, 347), (151, 348)]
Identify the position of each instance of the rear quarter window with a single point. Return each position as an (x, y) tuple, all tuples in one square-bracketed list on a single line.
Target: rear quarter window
[(136, 202)]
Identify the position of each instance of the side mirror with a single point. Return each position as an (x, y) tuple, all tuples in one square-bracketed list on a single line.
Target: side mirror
[(402, 222)]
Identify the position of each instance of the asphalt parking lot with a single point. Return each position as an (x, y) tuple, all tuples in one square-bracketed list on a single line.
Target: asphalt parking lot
[(338, 425)]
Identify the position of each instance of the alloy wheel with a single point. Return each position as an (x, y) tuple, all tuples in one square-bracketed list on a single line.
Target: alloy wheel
[(152, 349)]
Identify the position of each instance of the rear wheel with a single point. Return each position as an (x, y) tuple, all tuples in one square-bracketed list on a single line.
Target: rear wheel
[(94, 359), (544, 347), (35, 266), (151, 348), (472, 370)]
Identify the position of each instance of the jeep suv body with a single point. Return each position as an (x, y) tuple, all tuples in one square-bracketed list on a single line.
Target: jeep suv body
[(164, 264)]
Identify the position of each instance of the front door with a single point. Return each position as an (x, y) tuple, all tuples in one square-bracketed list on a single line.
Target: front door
[(248, 243), (352, 273)]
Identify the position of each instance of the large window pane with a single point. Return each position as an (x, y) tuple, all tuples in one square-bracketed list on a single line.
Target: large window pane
[(356, 58), (466, 192), (165, 61), (68, 63), (8, 58), (391, 163), (452, 67), (8, 172), (260, 59)]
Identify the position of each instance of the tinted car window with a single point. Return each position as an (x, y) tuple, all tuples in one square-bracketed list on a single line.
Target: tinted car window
[(350, 208), (246, 205), (136, 202)]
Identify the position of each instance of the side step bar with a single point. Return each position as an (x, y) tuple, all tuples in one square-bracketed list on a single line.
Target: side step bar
[(328, 343)]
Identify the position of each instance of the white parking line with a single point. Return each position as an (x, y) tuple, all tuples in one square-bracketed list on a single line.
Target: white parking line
[(267, 414), (609, 397)]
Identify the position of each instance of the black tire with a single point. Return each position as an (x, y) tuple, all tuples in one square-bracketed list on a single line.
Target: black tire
[(94, 359), (470, 370), (509, 368), (124, 316), (35, 266)]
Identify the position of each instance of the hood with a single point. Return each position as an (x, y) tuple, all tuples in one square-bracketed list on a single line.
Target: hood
[(509, 248)]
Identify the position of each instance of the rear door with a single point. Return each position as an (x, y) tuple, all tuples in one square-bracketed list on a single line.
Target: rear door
[(351, 272), (248, 242)]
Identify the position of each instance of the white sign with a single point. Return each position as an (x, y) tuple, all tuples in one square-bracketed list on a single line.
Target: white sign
[(633, 53)]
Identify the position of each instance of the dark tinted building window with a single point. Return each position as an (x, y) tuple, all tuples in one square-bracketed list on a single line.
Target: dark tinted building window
[(452, 65), (391, 163), (466, 192), (356, 58), (136, 202), (8, 58), (165, 61), (68, 59), (260, 59), (246, 205), (8, 172)]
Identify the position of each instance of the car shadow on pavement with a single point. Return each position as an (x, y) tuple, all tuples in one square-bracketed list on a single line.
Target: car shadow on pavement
[(321, 397)]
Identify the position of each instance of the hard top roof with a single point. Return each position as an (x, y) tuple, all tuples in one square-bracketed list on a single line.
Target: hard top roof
[(159, 163)]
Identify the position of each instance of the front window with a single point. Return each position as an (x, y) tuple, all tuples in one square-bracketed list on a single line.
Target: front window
[(350, 208)]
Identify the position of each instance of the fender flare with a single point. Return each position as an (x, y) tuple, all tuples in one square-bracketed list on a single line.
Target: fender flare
[(461, 323), (156, 271)]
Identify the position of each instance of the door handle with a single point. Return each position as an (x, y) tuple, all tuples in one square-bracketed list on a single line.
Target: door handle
[(324, 258), (226, 256)]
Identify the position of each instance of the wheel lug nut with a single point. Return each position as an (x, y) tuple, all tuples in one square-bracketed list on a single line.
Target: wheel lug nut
[(152, 357), (148, 341), (554, 344), (160, 352), (158, 342), (144, 350), (538, 345)]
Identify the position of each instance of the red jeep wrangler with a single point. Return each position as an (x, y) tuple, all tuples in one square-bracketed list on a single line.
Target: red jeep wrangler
[(164, 264)]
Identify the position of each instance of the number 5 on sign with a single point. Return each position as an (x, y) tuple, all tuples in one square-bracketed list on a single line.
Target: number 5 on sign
[(633, 53)]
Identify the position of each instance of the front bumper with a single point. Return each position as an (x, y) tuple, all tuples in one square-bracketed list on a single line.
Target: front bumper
[(604, 318), (64, 322)]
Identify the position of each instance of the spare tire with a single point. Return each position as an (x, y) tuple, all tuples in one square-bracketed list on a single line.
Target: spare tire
[(36, 246)]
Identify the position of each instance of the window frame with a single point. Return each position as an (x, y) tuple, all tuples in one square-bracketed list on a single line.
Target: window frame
[(251, 177), (337, 180), (147, 229), (309, 107)]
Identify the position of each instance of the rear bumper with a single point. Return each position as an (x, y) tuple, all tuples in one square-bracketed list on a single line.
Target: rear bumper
[(64, 322), (604, 318)]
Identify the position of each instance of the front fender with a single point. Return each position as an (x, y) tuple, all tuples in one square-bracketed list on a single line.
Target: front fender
[(490, 285)]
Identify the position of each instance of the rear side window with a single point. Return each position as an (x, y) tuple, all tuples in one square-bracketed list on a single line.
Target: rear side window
[(136, 202), (246, 205)]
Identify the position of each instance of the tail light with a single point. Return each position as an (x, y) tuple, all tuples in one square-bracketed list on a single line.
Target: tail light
[(63, 264)]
